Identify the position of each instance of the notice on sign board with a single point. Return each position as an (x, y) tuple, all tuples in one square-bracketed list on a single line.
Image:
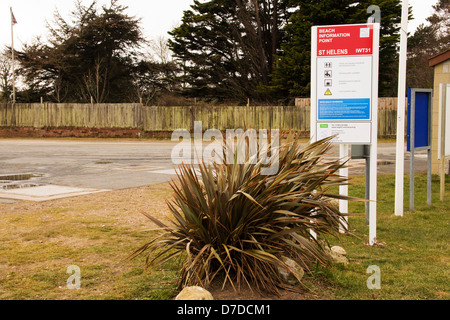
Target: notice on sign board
[(344, 109), (344, 41), (343, 82), (344, 88), (353, 133)]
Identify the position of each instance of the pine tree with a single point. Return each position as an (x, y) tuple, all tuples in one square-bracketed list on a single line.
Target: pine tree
[(428, 40), (292, 74), (227, 47)]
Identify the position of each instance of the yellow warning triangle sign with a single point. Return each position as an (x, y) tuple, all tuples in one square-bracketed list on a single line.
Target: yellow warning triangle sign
[(328, 93)]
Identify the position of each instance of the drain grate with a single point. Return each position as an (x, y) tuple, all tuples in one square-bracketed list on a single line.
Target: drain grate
[(18, 181), (19, 186), (18, 177)]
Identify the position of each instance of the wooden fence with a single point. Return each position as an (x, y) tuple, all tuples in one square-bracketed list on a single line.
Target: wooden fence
[(159, 118)]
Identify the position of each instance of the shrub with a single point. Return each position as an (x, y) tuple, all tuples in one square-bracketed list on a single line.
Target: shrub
[(232, 221)]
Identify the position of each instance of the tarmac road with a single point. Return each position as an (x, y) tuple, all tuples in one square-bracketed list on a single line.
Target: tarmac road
[(118, 164)]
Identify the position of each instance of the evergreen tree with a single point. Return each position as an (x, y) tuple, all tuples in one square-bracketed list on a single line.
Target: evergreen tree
[(227, 47), (428, 40), (440, 19), (291, 77)]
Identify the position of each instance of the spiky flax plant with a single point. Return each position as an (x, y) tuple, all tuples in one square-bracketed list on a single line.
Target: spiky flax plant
[(233, 224)]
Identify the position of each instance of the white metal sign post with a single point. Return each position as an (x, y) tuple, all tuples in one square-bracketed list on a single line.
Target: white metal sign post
[(344, 95), (400, 146)]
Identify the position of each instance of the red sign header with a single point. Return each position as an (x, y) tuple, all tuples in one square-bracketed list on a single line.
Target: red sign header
[(345, 40)]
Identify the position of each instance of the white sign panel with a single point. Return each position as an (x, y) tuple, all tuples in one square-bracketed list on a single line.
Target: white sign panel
[(357, 133), (444, 111)]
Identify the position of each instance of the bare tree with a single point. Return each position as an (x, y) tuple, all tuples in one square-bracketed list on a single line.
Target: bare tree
[(160, 49), (93, 82), (5, 76), (428, 40)]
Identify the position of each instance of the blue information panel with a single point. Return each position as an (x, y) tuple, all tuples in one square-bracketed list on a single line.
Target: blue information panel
[(344, 109), (422, 119)]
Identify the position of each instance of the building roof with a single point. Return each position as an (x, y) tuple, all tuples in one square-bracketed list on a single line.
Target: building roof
[(441, 57)]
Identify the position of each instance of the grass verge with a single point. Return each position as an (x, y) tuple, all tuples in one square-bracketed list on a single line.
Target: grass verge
[(39, 241), (414, 258)]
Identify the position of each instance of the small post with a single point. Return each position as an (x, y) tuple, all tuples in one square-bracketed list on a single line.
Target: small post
[(412, 140), (343, 189), (373, 195), (367, 206), (430, 154), (429, 176)]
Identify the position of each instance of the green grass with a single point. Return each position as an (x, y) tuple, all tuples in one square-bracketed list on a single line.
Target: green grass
[(415, 260), (38, 242)]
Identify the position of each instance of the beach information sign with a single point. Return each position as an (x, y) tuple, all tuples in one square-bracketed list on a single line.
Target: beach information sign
[(345, 82), (344, 98)]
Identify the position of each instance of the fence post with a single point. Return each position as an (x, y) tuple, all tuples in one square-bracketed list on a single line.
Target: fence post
[(138, 115)]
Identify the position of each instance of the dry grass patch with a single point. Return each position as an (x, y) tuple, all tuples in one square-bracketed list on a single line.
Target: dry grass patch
[(39, 241)]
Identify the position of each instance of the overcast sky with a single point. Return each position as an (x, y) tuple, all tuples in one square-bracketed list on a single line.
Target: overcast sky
[(158, 17)]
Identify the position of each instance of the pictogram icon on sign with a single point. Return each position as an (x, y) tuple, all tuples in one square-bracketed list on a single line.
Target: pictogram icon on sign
[(328, 92)]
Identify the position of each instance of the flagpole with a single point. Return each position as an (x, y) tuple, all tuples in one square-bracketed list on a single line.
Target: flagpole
[(13, 58), (401, 107)]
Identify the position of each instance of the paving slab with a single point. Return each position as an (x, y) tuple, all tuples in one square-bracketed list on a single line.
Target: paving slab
[(8, 201), (45, 193)]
